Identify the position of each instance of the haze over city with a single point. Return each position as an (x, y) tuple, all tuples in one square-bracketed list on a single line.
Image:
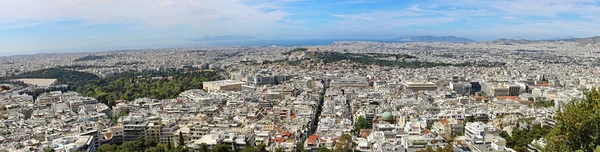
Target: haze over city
[(33, 26)]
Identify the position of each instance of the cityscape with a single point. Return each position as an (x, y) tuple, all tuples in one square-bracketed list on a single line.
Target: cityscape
[(372, 96), (299, 76)]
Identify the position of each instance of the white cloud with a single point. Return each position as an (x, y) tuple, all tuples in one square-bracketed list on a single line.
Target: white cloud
[(414, 8), (360, 1), (208, 14), (547, 8), (267, 17), (508, 17), (352, 17)]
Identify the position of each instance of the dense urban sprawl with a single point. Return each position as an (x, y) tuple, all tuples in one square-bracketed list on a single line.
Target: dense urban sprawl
[(346, 96)]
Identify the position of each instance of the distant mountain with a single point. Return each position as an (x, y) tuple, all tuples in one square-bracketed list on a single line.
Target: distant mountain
[(508, 41), (559, 38), (594, 41), (222, 37), (429, 38)]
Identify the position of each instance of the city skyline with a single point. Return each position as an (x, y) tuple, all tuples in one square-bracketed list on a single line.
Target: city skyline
[(78, 26)]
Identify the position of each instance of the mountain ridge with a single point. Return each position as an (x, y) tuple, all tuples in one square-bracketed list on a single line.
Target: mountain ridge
[(580, 41), (429, 38)]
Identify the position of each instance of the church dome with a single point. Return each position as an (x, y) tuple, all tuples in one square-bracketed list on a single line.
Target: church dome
[(387, 116)]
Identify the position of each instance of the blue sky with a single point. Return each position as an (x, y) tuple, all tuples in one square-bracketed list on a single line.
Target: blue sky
[(34, 26)]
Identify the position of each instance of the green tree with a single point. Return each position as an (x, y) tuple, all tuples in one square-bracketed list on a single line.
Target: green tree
[(131, 146), (262, 147), (428, 149), (150, 143), (203, 147), (344, 143), (324, 149), (155, 149), (221, 148), (48, 149), (361, 123), (182, 149), (447, 148), (279, 149), (509, 140), (169, 146), (578, 125), (300, 147), (107, 148), (181, 140), (250, 149), (162, 147)]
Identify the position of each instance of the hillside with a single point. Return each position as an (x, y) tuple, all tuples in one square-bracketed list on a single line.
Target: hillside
[(594, 41), (587, 41), (508, 41)]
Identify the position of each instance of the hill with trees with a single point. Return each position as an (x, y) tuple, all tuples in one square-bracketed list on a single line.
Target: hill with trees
[(153, 84), (62, 76), (380, 59), (577, 126), (128, 85)]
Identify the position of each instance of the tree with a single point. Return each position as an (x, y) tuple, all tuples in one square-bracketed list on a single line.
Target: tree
[(48, 149), (107, 148), (344, 143), (361, 123), (130, 146), (155, 149), (300, 147), (250, 149), (181, 140), (221, 148), (279, 149), (262, 147), (162, 147), (203, 147), (428, 149), (577, 125), (505, 135), (324, 149), (183, 149), (150, 143), (169, 143), (447, 148)]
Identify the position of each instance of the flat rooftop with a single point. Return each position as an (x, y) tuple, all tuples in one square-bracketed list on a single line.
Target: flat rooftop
[(223, 82)]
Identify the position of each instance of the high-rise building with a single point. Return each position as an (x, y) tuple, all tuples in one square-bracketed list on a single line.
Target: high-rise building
[(153, 130), (475, 87), (89, 129), (167, 131), (134, 128), (514, 90), (462, 88)]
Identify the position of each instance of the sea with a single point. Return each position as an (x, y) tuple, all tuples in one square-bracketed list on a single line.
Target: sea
[(159, 44), (274, 42)]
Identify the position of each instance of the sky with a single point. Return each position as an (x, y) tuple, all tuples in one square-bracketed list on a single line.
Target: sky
[(37, 26)]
